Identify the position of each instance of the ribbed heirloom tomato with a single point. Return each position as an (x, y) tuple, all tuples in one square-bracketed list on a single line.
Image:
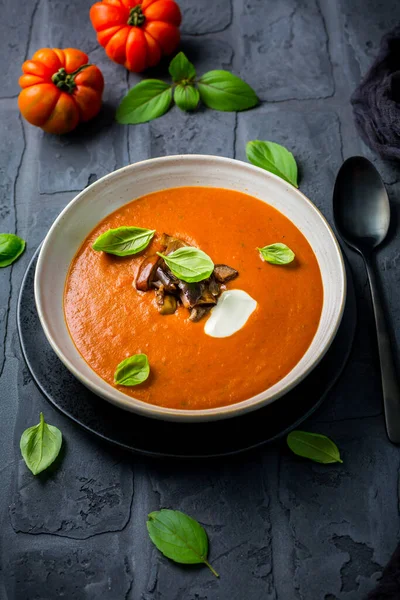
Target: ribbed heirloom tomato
[(60, 89), (136, 33)]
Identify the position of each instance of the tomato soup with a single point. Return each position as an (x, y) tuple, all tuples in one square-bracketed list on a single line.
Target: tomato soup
[(109, 320)]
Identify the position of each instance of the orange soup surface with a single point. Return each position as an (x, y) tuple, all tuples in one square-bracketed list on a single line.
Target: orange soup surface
[(109, 320)]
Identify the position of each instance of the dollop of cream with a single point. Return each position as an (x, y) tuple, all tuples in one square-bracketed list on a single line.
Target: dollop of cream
[(230, 314)]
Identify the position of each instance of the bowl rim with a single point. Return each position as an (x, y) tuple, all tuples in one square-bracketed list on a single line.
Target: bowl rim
[(129, 403)]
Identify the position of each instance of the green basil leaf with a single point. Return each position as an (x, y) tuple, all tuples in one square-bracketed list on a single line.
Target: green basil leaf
[(277, 254), (189, 264), (273, 158), (40, 446), (314, 446), (11, 247), (124, 241), (132, 370), (179, 537), (186, 97), (181, 68), (221, 90), (148, 100)]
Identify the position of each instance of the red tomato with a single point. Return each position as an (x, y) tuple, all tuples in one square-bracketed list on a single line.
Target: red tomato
[(60, 89), (137, 33)]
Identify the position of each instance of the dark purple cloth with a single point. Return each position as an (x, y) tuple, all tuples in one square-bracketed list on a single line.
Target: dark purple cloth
[(389, 585), (376, 101)]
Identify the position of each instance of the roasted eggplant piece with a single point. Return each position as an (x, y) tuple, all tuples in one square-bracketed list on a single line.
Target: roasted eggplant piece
[(169, 305), (190, 293), (160, 294), (198, 298), (171, 243), (206, 298), (147, 272), (214, 287), (198, 312), (168, 280), (223, 273)]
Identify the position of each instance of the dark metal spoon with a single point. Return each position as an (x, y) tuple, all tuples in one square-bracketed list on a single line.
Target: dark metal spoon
[(362, 214)]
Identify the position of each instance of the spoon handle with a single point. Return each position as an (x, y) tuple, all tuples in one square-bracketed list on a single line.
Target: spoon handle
[(390, 382)]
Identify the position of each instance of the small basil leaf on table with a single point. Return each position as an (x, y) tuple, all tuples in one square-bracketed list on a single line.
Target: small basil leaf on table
[(189, 264), (277, 254), (179, 537), (222, 90), (314, 446), (186, 97), (273, 158), (146, 101), (124, 241), (11, 247), (180, 68), (132, 371), (40, 446)]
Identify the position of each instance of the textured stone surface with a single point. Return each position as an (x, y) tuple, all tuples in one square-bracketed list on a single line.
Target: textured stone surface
[(280, 528), (11, 151), (69, 25), (206, 132), (206, 17), (284, 49), (344, 542), (73, 573), (95, 499), (207, 53), (15, 34), (365, 22)]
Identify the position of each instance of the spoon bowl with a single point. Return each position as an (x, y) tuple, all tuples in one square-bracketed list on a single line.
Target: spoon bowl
[(361, 205)]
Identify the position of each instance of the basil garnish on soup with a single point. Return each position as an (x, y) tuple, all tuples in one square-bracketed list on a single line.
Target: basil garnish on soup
[(124, 241), (277, 254), (189, 264), (132, 371)]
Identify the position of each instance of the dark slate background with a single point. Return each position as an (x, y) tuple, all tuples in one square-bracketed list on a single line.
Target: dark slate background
[(280, 528)]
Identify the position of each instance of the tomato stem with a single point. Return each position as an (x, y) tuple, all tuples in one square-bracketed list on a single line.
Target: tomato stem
[(136, 17), (66, 81)]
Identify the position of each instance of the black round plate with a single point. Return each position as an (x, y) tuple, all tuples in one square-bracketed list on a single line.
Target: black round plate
[(163, 438)]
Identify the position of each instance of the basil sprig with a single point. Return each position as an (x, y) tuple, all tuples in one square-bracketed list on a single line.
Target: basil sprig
[(146, 101), (179, 537), (221, 90), (314, 446), (40, 446), (273, 158), (124, 241), (181, 69), (132, 371), (186, 97), (11, 247), (189, 264), (218, 89), (277, 254)]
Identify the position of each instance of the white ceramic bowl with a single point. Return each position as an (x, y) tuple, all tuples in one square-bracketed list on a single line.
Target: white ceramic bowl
[(111, 192)]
